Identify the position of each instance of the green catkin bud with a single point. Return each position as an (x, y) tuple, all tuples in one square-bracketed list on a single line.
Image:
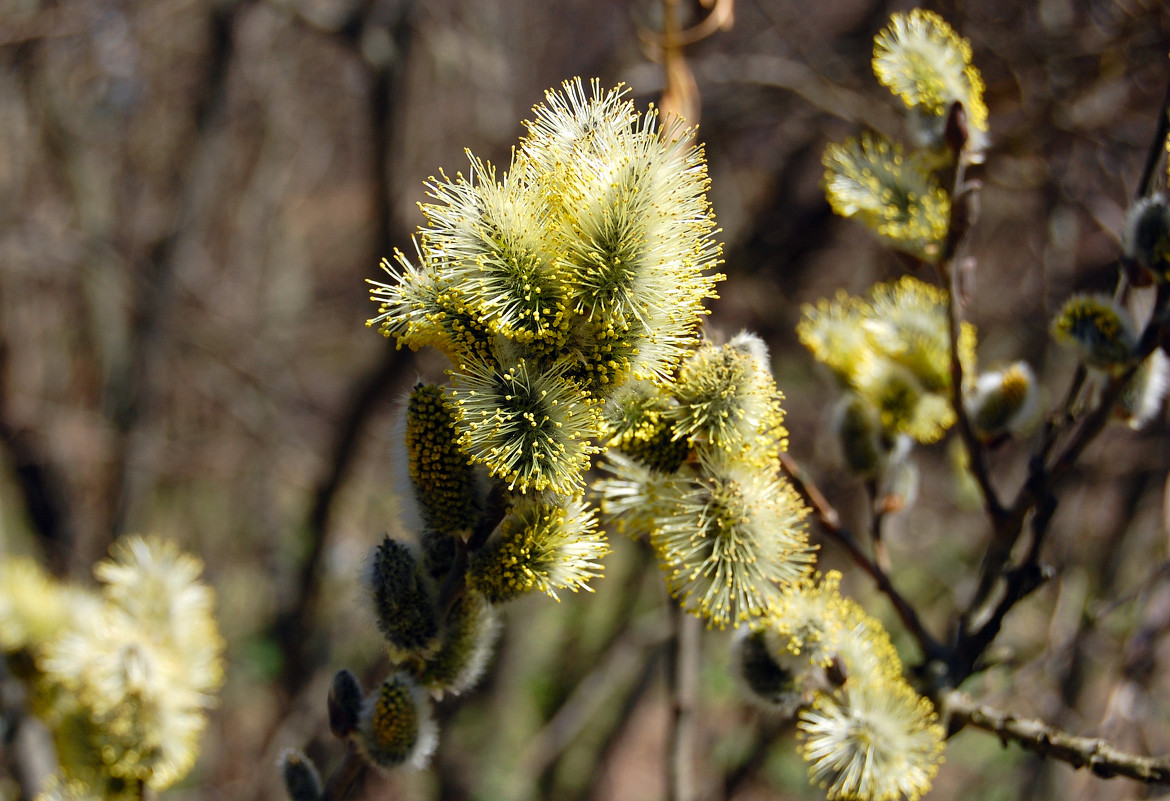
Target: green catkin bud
[(301, 779), (767, 684), (438, 553), (1099, 329), (859, 431), (468, 634), (403, 602), (1004, 401), (396, 725), (442, 476), (1147, 236), (345, 703)]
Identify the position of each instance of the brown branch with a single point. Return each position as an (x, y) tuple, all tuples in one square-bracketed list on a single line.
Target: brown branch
[(369, 391), (767, 732), (348, 775), (1146, 185), (622, 660), (830, 523), (1036, 498), (684, 690), (720, 18), (1102, 758)]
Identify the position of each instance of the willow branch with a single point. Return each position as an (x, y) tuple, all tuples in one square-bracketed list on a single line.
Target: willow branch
[(684, 690), (830, 523), (1099, 756), (346, 776), (621, 661), (976, 453), (1146, 184)]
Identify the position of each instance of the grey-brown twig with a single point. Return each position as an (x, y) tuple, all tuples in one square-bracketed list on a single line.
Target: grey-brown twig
[(1097, 755)]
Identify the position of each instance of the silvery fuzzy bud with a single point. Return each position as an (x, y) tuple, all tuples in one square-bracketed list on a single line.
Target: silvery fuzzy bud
[(1145, 392), (465, 645), (396, 726), (1099, 329), (1004, 401), (1147, 236), (301, 779)]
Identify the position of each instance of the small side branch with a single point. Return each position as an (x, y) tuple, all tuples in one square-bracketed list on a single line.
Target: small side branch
[(346, 777), (831, 523), (1097, 755), (684, 681)]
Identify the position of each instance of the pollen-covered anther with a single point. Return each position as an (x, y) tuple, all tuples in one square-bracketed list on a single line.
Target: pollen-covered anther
[(532, 428), (540, 545)]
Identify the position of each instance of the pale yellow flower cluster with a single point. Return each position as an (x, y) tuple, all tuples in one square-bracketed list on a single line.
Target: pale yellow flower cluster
[(122, 677), (897, 193), (891, 351), (694, 470), (866, 734), (552, 288)]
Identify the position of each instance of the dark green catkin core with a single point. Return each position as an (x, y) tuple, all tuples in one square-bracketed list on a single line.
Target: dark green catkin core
[(403, 601), (760, 672), (391, 723), (465, 641)]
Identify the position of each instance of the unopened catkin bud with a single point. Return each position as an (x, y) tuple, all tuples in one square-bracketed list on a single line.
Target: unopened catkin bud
[(1004, 401), (466, 642), (443, 479), (1145, 393), (345, 703), (859, 431), (1099, 329), (765, 683), (301, 779), (396, 727), (1147, 236), (403, 600)]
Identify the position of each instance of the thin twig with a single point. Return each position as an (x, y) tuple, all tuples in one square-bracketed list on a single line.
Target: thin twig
[(346, 776), (1097, 755), (684, 690), (623, 659), (1146, 185), (830, 523)]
